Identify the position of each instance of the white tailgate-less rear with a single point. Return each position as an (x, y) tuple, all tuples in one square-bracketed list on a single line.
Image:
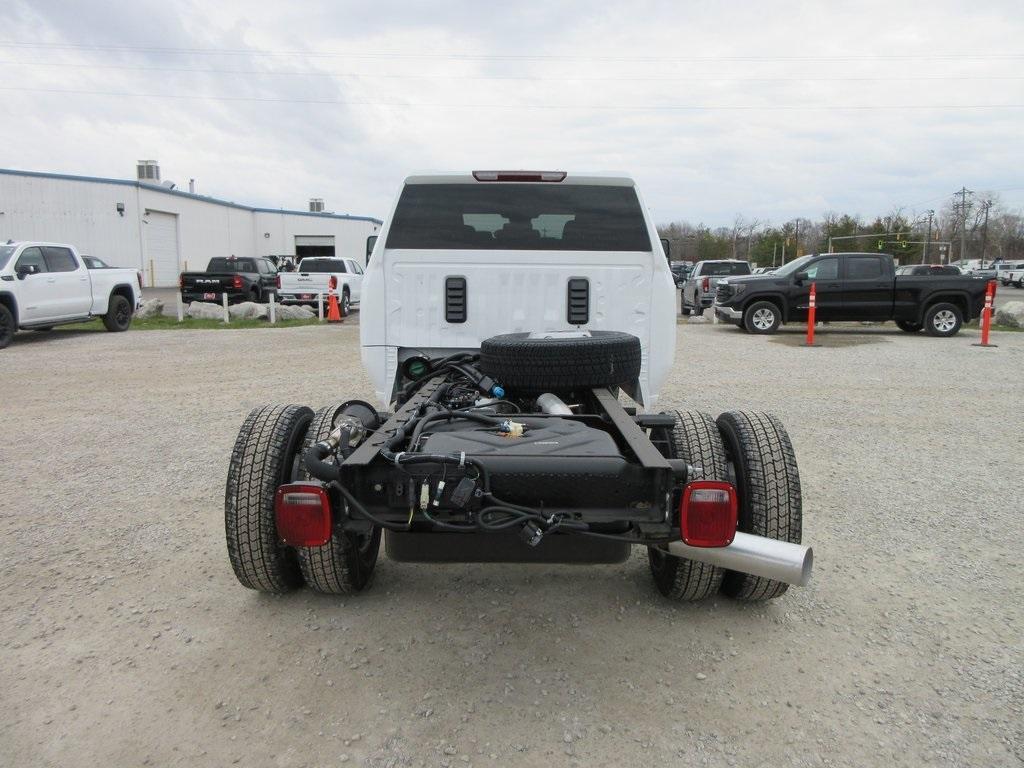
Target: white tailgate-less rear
[(522, 288)]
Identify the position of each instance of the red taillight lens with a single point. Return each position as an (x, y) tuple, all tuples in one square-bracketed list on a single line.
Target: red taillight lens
[(303, 515), (138, 274), (707, 514), (706, 284), (277, 282), (332, 283), (237, 282)]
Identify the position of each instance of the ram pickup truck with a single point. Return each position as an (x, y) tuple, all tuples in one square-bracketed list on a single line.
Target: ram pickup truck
[(506, 313), (245, 279), (850, 286), (319, 274), (48, 284)]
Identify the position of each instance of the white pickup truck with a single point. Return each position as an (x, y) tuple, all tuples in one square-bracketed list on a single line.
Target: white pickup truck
[(507, 313), (319, 275), (48, 284)]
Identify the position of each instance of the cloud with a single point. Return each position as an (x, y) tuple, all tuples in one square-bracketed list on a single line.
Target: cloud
[(716, 112)]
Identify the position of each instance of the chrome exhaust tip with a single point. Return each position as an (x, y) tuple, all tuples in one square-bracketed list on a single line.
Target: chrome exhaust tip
[(756, 555)]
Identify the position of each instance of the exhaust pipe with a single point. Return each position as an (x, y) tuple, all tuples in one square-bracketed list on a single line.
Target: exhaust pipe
[(553, 404), (756, 555)]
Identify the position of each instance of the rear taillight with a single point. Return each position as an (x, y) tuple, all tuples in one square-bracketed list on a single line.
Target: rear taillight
[(277, 282), (138, 275), (519, 175), (302, 512), (707, 514), (332, 282), (706, 284), (237, 282)]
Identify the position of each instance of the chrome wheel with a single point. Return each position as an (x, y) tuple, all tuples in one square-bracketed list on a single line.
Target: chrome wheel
[(944, 321), (763, 319)]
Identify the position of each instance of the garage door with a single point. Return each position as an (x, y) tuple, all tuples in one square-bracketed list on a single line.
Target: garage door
[(162, 248), (314, 245)]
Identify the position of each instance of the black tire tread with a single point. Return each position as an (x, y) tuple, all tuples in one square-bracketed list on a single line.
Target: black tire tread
[(605, 359), (768, 482), (334, 568), (929, 327), (110, 319), (9, 329), (695, 439), (260, 462)]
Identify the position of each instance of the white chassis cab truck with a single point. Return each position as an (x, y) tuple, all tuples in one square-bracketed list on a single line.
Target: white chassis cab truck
[(48, 284), (505, 316)]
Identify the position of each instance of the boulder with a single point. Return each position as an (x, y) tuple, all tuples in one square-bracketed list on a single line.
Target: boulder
[(205, 311), (698, 319), (294, 312), (248, 310), (150, 308), (1011, 314)]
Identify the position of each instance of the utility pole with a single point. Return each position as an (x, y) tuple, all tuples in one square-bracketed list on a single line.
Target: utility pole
[(775, 250), (928, 239), (963, 192), (984, 231), (796, 240)]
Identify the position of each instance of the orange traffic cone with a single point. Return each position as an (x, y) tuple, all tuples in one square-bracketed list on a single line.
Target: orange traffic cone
[(333, 311)]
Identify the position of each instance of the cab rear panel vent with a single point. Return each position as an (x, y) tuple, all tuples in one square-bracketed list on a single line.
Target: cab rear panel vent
[(455, 299), (578, 312)]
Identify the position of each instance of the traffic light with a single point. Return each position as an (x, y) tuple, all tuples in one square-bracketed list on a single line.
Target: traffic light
[(881, 244)]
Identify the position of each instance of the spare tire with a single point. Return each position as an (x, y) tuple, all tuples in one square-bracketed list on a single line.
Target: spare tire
[(561, 360)]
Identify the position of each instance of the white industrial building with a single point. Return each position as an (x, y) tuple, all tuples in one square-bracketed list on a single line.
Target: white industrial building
[(164, 231)]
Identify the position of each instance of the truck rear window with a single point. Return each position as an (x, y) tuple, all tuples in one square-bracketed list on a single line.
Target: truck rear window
[(231, 265), (322, 265), (724, 268), (519, 217)]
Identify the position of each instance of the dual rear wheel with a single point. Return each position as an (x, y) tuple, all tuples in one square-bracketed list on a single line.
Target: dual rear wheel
[(268, 453), (753, 451)]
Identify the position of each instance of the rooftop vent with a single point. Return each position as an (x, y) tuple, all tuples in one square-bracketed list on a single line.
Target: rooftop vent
[(148, 171), (316, 205)]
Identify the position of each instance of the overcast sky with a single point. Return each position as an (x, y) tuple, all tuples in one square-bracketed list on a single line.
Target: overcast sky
[(773, 110)]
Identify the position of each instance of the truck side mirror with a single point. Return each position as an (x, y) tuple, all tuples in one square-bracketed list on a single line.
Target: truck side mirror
[(667, 247), (26, 270), (800, 277), (371, 241)]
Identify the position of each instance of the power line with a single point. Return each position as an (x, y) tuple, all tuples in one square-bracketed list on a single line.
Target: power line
[(505, 57), (601, 107), (533, 78)]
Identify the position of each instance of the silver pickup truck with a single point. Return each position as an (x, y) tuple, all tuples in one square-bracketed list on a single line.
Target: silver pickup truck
[(701, 284)]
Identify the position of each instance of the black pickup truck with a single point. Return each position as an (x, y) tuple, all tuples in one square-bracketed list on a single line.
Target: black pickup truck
[(246, 279), (850, 286)]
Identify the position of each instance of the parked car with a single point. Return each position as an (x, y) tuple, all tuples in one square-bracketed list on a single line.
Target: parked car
[(500, 436), (317, 275), (701, 284), (1011, 273), (927, 269), (851, 286), (48, 284), (242, 279)]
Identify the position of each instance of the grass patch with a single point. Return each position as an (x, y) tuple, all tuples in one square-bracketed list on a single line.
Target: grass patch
[(163, 323)]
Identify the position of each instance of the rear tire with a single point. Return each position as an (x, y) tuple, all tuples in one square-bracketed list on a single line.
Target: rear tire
[(346, 303), (265, 456), (694, 439), (119, 314), (344, 565), (768, 484), (908, 326), (943, 320)]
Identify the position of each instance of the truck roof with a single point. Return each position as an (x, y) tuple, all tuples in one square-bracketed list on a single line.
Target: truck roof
[(610, 179)]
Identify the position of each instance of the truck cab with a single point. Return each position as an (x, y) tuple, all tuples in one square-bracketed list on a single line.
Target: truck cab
[(463, 257)]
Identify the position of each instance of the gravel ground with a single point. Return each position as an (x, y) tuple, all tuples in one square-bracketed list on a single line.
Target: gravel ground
[(127, 641)]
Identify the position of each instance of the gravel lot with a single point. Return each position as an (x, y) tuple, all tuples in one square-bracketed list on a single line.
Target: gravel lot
[(127, 641)]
